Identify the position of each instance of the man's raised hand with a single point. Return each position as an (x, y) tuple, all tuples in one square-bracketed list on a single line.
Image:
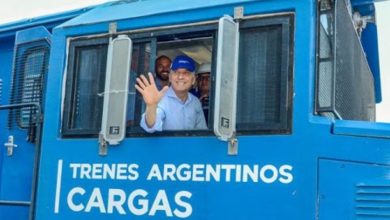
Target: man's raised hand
[(149, 90)]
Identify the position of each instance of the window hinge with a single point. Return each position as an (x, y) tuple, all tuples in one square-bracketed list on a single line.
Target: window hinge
[(238, 13), (233, 146), (102, 145), (112, 28)]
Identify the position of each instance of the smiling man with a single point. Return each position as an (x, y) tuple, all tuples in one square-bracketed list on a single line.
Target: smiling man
[(172, 108), (163, 68)]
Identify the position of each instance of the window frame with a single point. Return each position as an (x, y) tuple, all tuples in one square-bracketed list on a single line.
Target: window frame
[(70, 87), (210, 28), (22, 51), (287, 71)]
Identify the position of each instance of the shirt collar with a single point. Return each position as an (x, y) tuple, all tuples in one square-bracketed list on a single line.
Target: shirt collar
[(172, 94)]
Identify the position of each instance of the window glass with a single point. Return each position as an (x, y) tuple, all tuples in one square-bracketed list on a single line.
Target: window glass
[(89, 84), (85, 84), (34, 67), (85, 87), (30, 70), (262, 99)]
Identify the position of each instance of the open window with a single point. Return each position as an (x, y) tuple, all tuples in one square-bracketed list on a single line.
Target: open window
[(264, 75), (195, 42)]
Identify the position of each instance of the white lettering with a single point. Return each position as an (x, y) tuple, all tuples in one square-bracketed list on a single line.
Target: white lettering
[(137, 202), (238, 173), (133, 173), (117, 203), (252, 173), (286, 177), (71, 194), (121, 171), (96, 201), (228, 171), (144, 203), (169, 172), (161, 204), (97, 171), (187, 206), (184, 175), (274, 174), (75, 167), (85, 171), (109, 171), (198, 172), (215, 173), (154, 173)]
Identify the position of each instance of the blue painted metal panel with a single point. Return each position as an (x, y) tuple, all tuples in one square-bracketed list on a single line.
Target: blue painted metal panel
[(369, 40), (7, 171), (209, 200), (6, 55), (32, 34), (138, 9), (49, 21), (16, 174), (350, 190), (362, 128)]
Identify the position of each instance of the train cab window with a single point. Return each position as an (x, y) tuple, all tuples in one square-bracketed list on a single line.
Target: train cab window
[(264, 88), (265, 76), (197, 46), (82, 111)]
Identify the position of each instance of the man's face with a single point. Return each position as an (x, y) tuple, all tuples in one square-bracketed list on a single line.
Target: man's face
[(181, 80), (203, 82), (163, 67)]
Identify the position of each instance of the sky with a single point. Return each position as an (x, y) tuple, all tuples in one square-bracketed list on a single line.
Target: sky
[(13, 10), (383, 20)]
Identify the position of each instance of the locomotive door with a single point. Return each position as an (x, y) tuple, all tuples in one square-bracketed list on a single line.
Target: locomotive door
[(20, 123)]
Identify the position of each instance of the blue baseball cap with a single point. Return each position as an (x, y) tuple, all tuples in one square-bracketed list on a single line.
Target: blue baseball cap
[(185, 62)]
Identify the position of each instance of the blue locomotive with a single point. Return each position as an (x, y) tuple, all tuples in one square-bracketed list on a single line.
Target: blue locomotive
[(291, 128)]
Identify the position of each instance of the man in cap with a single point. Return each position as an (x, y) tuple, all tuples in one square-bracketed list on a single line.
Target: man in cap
[(172, 108), (203, 86)]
